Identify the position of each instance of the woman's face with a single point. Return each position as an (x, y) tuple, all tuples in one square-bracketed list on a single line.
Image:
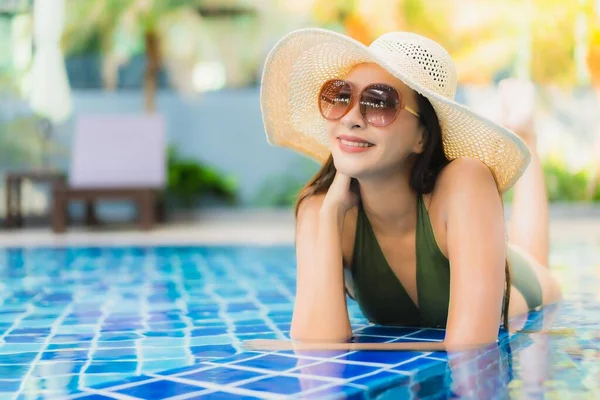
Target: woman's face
[(389, 146)]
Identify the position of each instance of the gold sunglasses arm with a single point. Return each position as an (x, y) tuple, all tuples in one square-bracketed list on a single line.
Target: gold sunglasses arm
[(413, 112)]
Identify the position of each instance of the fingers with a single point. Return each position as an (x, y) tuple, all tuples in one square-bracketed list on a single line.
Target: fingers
[(341, 180)]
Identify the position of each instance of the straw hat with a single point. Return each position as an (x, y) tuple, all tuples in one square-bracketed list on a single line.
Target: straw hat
[(303, 60)]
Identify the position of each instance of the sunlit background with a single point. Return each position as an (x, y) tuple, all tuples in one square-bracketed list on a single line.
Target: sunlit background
[(118, 94), (197, 63)]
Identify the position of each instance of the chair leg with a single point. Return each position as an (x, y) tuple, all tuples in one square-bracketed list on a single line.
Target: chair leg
[(160, 208), (146, 209), (18, 212), (59, 211), (9, 197), (90, 213)]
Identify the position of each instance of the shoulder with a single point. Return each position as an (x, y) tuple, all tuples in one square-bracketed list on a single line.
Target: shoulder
[(466, 182), (465, 172), (465, 175), (310, 205)]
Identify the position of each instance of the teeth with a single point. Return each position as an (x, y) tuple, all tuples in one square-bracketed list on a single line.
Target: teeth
[(355, 144)]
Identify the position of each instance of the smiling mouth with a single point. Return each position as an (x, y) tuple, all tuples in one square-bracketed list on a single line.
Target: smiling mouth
[(355, 143)]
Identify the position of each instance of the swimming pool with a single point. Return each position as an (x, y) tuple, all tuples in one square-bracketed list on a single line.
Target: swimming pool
[(168, 322)]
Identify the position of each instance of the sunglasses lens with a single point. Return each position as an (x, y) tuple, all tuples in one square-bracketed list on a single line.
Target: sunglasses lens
[(379, 104), (334, 99)]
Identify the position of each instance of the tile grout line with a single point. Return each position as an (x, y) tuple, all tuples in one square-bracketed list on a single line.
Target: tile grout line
[(222, 311), (190, 395), (363, 387), (101, 392), (29, 309), (94, 342), (139, 347), (109, 389), (182, 305), (57, 322), (263, 310), (223, 388)]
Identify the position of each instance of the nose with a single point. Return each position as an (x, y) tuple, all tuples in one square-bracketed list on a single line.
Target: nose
[(353, 119)]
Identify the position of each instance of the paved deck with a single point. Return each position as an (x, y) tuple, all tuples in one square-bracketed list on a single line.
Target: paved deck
[(249, 226)]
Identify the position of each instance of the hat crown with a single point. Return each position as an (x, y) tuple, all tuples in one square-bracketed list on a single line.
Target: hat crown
[(420, 58)]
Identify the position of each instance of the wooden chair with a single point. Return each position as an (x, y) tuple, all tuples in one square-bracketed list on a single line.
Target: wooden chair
[(114, 157)]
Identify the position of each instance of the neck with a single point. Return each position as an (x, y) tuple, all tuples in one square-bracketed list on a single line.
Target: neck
[(389, 202)]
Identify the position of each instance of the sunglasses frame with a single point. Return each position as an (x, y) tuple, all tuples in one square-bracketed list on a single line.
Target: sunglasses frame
[(359, 95)]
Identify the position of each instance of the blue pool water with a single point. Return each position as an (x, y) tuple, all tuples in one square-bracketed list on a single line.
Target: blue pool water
[(168, 322)]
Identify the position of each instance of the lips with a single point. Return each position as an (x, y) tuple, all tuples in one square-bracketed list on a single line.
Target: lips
[(353, 145), (353, 140)]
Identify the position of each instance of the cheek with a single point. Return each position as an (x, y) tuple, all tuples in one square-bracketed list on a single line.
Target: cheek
[(404, 133), (398, 145), (331, 130)]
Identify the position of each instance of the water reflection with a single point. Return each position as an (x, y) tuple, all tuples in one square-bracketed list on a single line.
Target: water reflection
[(540, 362)]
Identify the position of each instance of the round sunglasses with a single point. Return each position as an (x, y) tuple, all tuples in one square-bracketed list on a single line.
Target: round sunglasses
[(379, 103)]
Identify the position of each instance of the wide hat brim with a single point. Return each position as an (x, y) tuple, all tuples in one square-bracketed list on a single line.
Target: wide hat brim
[(298, 65)]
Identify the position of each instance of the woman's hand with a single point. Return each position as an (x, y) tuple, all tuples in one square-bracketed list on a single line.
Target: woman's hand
[(517, 102), (342, 194)]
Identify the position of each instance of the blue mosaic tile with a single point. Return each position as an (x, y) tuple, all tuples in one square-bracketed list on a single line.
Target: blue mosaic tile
[(115, 354), (75, 355), (105, 367), (238, 357), (284, 385), (164, 388), (52, 386), (117, 344), (223, 396), (57, 368), (24, 338), (417, 364), (222, 375), (9, 386), (209, 331), (69, 346), (18, 358), (13, 371), (380, 357), (271, 362), (11, 348), (211, 351), (334, 369), (428, 334), (334, 392), (188, 316)]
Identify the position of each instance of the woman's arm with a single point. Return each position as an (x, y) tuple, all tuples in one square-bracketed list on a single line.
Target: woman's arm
[(320, 310), (476, 242)]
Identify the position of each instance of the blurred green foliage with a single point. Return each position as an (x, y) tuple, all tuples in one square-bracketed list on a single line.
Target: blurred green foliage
[(23, 145), (96, 26), (281, 190), (189, 180), (565, 185)]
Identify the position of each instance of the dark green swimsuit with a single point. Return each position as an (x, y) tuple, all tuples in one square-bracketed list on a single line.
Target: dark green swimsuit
[(383, 299)]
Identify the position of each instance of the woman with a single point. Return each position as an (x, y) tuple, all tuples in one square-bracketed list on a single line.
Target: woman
[(406, 214)]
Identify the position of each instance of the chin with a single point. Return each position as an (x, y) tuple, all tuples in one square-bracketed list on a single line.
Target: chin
[(349, 166)]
